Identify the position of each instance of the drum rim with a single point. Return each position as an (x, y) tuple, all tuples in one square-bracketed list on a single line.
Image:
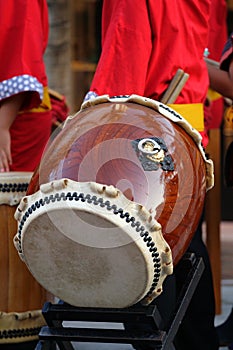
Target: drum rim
[(17, 327), (145, 226), (13, 186)]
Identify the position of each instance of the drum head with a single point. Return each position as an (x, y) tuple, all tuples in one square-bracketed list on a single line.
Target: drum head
[(88, 251)]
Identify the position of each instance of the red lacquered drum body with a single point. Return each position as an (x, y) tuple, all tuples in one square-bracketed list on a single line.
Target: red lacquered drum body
[(143, 149), (21, 296)]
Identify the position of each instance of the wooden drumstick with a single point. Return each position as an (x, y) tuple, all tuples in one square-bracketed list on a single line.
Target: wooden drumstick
[(178, 88), (172, 85)]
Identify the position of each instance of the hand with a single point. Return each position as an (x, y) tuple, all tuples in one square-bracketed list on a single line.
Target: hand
[(9, 109), (5, 150)]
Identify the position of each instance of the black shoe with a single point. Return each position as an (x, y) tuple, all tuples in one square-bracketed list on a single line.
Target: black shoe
[(225, 331)]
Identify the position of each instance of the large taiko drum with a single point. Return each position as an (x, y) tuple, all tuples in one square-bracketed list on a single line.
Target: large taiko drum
[(21, 296), (114, 204)]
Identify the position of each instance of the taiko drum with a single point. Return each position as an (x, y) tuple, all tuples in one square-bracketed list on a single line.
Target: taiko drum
[(115, 202)]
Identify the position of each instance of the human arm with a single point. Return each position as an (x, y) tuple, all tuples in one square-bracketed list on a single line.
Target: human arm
[(9, 109), (221, 76), (220, 80)]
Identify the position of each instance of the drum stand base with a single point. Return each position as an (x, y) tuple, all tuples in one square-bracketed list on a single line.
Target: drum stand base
[(55, 335)]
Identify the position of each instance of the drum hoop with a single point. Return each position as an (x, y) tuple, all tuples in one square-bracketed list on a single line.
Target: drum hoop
[(167, 112), (20, 326), (162, 263), (13, 186)]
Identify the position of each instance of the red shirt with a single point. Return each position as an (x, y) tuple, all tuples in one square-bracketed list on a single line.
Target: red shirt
[(145, 42), (218, 29), (23, 39)]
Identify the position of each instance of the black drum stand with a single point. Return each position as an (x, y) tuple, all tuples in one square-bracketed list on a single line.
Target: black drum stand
[(57, 336)]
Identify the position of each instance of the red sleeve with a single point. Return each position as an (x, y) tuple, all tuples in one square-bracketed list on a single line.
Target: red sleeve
[(125, 31), (217, 28), (23, 38)]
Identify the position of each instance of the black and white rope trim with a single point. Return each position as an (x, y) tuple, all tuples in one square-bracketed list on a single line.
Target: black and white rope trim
[(19, 333), (170, 111), (117, 211), (14, 187)]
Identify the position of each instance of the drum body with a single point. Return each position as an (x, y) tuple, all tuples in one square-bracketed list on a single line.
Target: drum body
[(20, 292), (123, 182)]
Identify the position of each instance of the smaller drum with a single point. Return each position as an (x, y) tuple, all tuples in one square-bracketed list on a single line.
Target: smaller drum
[(20, 327), (20, 292)]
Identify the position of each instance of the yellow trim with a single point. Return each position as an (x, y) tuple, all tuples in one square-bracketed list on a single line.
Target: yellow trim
[(55, 94), (192, 112), (213, 95), (228, 121), (45, 104)]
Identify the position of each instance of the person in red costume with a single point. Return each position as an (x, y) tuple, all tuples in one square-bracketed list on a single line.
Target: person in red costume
[(25, 117), (221, 80), (144, 43), (216, 41)]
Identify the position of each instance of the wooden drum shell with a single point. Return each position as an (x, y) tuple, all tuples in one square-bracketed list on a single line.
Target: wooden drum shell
[(96, 145), (20, 291)]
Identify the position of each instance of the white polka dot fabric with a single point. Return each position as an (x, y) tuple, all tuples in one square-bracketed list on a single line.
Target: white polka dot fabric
[(18, 84), (90, 95)]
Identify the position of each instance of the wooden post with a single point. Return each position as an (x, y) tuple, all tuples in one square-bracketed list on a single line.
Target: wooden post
[(58, 53), (213, 215)]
